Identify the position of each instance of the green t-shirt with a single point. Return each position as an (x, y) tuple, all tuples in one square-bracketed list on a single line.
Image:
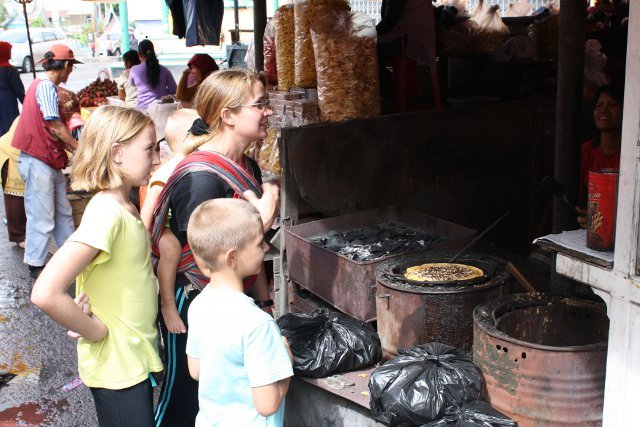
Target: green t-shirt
[(123, 295)]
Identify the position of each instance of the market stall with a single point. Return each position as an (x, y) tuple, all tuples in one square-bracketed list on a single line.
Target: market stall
[(422, 161), (464, 165), (345, 166)]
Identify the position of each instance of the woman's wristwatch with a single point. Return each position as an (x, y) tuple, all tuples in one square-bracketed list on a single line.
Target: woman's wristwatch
[(263, 303)]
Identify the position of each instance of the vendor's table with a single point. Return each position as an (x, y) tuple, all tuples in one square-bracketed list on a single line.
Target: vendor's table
[(573, 243)]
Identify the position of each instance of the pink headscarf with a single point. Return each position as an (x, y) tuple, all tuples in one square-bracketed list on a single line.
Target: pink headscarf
[(5, 54), (204, 63)]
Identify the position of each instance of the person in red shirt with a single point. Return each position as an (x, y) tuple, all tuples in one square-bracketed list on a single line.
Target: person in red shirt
[(603, 151)]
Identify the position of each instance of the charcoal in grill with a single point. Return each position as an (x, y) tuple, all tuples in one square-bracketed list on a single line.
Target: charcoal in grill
[(376, 241)]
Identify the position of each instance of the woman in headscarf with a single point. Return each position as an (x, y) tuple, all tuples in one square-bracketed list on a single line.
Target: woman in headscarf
[(11, 89), (199, 67)]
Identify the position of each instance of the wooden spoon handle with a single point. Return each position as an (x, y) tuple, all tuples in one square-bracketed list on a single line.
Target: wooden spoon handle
[(520, 278)]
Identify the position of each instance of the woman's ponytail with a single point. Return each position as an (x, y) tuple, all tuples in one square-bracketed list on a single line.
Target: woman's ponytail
[(153, 65)]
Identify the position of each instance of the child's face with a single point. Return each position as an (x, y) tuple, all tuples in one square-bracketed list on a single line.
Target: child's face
[(251, 255), (139, 157)]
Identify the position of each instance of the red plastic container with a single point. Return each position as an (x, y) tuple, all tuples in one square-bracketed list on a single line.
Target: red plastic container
[(602, 200)]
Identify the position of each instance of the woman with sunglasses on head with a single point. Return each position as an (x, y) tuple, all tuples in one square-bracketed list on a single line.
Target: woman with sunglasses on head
[(234, 109), (152, 80), (43, 139)]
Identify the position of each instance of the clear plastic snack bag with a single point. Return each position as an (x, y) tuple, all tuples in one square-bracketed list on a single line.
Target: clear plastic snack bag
[(285, 49), (491, 33)]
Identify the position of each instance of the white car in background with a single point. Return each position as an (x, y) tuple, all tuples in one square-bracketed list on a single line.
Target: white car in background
[(41, 41)]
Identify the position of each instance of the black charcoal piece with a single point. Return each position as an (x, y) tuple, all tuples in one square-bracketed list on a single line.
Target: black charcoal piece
[(376, 241)]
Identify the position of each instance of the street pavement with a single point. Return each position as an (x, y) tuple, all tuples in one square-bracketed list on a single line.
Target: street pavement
[(82, 75), (38, 363), (39, 383)]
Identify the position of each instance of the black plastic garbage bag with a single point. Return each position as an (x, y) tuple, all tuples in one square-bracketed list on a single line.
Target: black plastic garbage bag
[(473, 414), (324, 343), (418, 385)]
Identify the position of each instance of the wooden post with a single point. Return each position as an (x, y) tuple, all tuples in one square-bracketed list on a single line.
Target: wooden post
[(259, 22), (569, 108)]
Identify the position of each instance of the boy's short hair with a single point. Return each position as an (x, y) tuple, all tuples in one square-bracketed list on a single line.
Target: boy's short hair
[(219, 225), (177, 127)]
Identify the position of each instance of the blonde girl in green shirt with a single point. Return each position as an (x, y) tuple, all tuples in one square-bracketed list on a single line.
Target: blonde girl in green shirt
[(109, 256)]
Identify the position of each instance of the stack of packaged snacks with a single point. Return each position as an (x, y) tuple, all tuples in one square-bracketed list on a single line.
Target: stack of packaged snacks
[(291, 109)]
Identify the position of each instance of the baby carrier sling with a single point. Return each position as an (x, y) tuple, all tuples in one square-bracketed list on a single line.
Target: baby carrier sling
[(206, 161)]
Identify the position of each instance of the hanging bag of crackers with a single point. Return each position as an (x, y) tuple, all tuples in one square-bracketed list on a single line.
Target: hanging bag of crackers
[(270, 67), (305, 12), (285, 49), (366, 68), (346, 65), (305, 64), (336, 58)]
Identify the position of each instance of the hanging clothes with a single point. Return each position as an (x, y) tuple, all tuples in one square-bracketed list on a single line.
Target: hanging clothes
[(198, 21)]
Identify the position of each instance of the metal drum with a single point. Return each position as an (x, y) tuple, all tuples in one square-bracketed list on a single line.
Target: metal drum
[(543, 358), (411, 313)]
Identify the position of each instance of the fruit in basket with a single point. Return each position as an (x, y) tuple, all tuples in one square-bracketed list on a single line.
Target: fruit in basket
[(96, 93), (99, 100), (86, 101)]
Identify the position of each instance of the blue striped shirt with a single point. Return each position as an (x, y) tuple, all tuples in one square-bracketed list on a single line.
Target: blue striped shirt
[(47, 98)]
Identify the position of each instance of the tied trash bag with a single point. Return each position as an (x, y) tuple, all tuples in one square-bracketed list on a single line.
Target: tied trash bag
[(324, 343), (472, 414), (418, 385)]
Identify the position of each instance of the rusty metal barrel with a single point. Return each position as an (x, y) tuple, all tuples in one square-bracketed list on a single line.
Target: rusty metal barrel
[(543, 358)]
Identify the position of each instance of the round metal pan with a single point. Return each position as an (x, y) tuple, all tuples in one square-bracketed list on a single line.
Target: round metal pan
[(487, 266)]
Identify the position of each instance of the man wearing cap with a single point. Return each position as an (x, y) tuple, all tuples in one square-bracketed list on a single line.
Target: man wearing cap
[(42, 138)]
